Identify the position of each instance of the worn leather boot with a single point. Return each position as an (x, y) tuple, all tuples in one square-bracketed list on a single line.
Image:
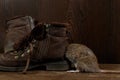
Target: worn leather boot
[(14, 59), (22, 35)]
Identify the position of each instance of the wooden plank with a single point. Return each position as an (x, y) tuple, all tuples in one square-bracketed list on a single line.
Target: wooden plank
[(60, 75)]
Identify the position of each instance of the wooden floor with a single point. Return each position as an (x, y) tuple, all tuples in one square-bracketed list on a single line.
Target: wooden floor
[(62, 75)]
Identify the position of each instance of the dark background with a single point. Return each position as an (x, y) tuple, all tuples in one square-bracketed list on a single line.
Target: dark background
[(95, 23)]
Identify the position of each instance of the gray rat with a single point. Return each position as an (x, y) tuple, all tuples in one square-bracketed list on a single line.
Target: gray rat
[(84, 60)]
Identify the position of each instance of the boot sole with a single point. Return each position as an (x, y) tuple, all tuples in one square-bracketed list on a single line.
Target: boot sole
[(51, 66), (16, 69)]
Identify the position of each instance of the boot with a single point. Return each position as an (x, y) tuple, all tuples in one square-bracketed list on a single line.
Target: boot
[(14, 59), (21, 35)]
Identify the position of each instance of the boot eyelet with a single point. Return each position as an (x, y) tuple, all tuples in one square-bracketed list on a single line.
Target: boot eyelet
[(16, 57), (22, 55), (28, 51)]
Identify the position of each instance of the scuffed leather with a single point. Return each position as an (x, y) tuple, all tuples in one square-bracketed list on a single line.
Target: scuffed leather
[(17, 29), (54, 46)]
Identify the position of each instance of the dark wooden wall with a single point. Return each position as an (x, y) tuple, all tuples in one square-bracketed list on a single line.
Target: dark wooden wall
[(95, 22), (115, 39)]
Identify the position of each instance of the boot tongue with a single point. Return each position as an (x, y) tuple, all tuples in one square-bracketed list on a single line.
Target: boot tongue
[(17, 22), (18, 28)]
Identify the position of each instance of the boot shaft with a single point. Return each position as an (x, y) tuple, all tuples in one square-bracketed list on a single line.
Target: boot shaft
[(54, 46)]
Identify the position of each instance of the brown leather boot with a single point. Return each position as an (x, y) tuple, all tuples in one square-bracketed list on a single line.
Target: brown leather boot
[(14, 59), (18, 47)]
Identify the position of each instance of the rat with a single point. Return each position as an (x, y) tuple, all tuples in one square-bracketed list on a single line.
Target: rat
[(83, 59)]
